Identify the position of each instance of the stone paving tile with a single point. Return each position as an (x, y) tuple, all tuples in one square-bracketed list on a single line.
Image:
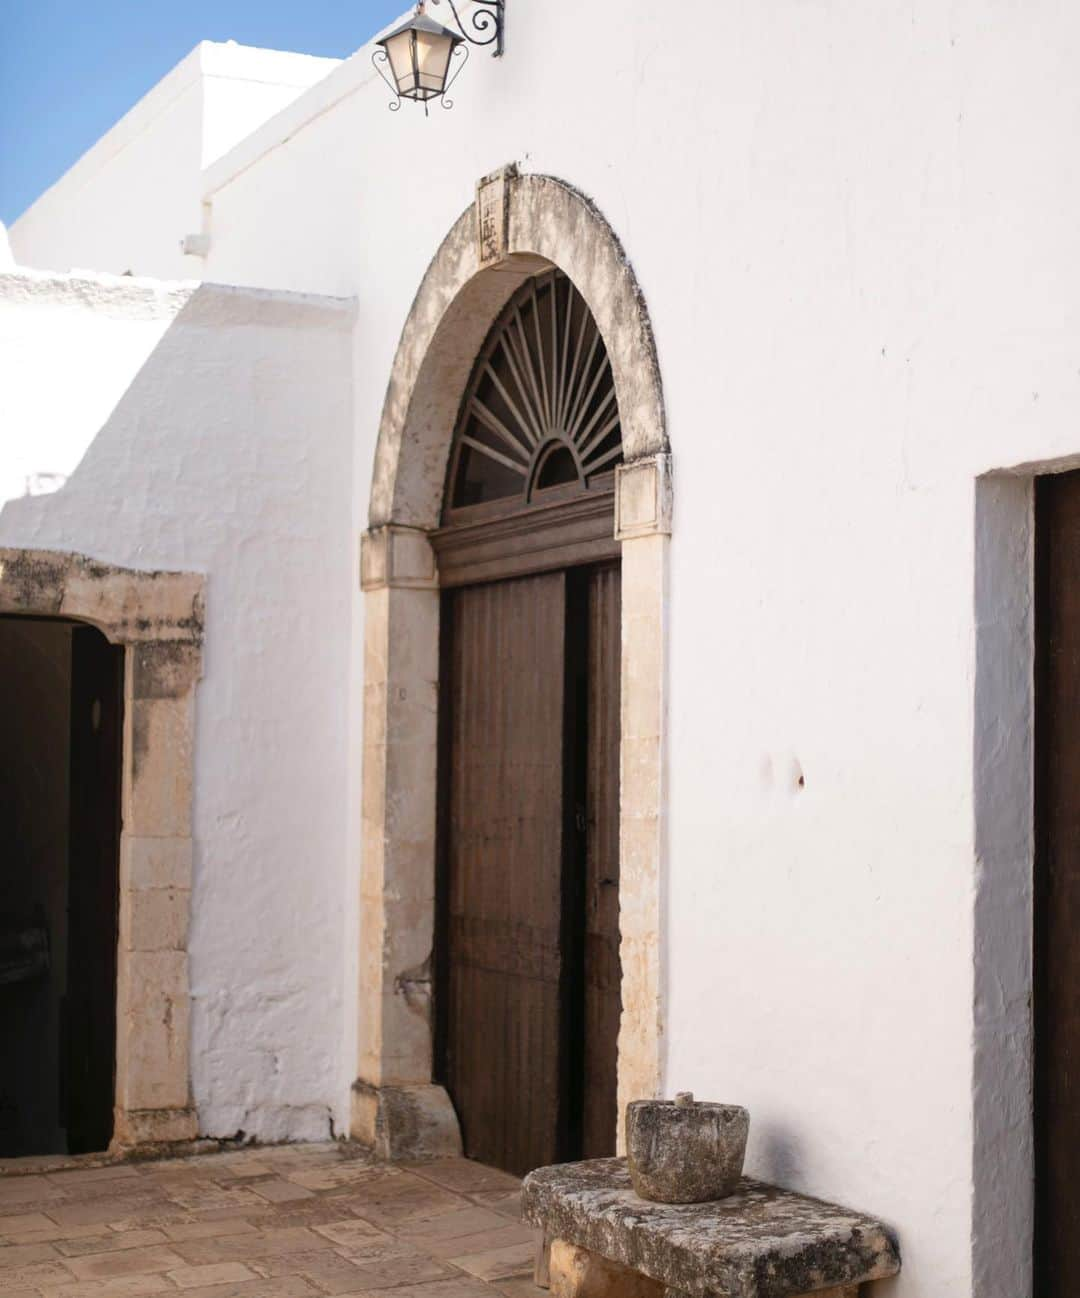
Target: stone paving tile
[(111, 1243), (199, 1277), (86, 1181), (264, 1243), (352, 1233), (388, 1266), (294, 1221), (27, 1189), (129, 1286), (135, 1261), (186, 1230), (328, 1271), (499, 1262), (290, 1286), (520, 1287), (465, 1177), (37, 1274), (276, 1191), (49, 1234), (507, 1204), (24, 1254)]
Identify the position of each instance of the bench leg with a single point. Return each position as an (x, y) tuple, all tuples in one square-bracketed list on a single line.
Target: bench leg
[(577, 1273), (542, 1271)]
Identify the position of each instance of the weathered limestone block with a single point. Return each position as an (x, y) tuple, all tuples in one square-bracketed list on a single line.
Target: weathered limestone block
[(576, 1273), (761, 1242), (405, 1123), (685, 1151), (140, 1128)]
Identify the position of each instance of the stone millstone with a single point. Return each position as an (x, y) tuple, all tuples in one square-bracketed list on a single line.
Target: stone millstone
[(761, 1242), (685, 1152)]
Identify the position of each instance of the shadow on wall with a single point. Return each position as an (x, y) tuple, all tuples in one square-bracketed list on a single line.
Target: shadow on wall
[(209, 430), (179, 378)]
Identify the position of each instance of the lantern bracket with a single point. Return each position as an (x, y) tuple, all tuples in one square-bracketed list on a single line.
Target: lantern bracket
[(486, 25)]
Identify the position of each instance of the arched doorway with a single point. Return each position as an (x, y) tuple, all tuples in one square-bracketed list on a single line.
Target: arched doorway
[(524, 232), (527, 990)]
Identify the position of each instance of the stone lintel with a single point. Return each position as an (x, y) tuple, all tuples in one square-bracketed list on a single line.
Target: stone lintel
[(643, 498), (129, 606), (803, 1246), (405, 1123), (398, 558)]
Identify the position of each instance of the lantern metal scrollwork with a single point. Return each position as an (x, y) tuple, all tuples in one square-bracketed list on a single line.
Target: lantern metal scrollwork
[(421, 59)]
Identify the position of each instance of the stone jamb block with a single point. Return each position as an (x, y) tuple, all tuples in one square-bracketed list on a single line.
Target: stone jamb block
[(643, 498), (159, 618), (405, 1123), (400, 557)]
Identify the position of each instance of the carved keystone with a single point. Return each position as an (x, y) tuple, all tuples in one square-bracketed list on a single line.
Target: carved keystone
[(492, 216)]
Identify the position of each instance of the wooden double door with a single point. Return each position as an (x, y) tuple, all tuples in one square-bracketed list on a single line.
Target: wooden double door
[(528, 976)]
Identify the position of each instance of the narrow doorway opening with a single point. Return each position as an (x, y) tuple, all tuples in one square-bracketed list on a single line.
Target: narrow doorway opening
[(61, 699), (1057, 885)]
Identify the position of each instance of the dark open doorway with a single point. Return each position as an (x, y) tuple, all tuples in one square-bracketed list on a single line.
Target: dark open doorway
[(1057, 885), (61, 699)]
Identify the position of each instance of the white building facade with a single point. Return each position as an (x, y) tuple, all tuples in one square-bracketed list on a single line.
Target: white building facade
[(832, 255)]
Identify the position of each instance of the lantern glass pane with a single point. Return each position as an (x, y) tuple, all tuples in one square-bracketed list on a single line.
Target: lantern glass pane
[(433, 59), (399, 48)]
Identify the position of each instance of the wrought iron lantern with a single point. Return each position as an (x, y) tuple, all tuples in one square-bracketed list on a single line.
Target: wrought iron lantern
[(421, 59)]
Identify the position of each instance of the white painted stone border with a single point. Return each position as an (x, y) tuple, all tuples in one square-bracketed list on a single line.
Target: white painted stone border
[(158, 618), (396, 1107)]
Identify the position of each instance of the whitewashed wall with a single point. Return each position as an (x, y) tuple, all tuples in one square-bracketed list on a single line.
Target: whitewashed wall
[(855, 229), (208, 430), (129, 200)]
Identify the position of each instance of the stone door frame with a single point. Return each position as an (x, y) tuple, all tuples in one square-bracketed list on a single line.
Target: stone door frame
[(158, 618), (518, 226)]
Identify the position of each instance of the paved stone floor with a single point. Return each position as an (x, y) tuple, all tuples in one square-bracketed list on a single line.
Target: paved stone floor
[(279, 1222)]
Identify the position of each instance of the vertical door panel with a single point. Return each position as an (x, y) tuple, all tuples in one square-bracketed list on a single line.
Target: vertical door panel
[(503, 696), (93, 888), (603, 1000), (1057, 886)]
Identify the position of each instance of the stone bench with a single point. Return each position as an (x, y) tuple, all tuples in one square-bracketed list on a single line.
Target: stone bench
[(602, 1241)]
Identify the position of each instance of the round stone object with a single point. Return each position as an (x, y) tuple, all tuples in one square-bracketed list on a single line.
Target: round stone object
[(682, 1151)]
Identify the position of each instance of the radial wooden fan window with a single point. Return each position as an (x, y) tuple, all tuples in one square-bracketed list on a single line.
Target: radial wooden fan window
[(540, 409)]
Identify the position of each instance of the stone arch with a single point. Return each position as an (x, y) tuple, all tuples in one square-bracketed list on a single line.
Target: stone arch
[(519, 226), (547, 223), (158, 618)]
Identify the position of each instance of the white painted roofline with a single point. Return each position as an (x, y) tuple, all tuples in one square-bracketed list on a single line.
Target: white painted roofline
[(352, 75), (224, 59), (140, 298)]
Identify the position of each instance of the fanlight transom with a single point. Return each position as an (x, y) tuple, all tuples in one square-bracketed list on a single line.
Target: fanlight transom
[(540, 410)]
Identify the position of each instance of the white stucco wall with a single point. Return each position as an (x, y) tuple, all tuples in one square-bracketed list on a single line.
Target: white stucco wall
[(857, 241), (856, 244), (208, 430), (127, 202)]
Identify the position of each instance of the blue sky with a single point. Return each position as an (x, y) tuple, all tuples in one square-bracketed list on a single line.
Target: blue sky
[(69, 70)]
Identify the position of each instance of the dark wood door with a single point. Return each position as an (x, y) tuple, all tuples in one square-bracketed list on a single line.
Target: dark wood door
[(527, 952), (93, 888), (504, 855), (1057, 887)]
